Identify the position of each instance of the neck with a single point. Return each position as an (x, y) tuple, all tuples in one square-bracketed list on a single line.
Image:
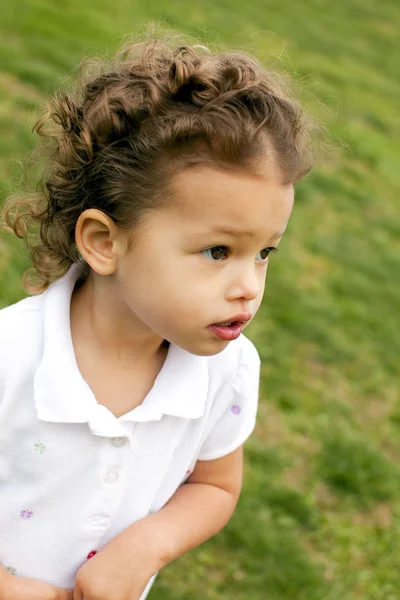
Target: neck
[(107, 328)]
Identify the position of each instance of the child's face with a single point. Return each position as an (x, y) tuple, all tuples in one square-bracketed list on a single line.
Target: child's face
[(172, 281)]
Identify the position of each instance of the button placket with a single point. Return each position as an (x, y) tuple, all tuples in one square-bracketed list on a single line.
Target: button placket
[(113, 457), (113, 475)]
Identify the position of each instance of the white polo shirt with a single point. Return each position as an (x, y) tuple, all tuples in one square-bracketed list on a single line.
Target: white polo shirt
[(72, 475)]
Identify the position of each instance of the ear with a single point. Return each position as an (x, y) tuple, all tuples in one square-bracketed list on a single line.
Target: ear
[(99, 241)]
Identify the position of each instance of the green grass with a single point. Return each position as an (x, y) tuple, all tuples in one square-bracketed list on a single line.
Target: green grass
[(319, 517)]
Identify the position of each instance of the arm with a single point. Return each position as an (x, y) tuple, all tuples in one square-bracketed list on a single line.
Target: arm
[(197, 511), (21, 588)]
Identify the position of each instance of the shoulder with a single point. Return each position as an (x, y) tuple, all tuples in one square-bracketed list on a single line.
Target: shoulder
[(20, 331), (234, 390), (239, 355), (14, 318)]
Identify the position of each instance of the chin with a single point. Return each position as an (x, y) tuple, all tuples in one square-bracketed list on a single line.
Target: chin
[(208, 349)]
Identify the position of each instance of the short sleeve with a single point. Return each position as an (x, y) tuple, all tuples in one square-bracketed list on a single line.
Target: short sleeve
[(234, 417)]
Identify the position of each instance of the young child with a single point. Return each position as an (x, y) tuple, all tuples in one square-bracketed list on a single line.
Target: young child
[(127, 388)]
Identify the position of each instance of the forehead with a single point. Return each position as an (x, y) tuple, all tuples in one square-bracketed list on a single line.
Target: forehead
[(238, 202)]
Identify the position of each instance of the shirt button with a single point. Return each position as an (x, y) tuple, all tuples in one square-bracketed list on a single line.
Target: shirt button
[(110, 477), (117, 441), (98, 520)]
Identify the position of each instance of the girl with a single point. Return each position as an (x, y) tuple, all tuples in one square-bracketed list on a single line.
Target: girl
[(127, 388)]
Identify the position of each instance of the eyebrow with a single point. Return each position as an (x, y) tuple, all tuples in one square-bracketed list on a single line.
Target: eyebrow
[(229, 231)]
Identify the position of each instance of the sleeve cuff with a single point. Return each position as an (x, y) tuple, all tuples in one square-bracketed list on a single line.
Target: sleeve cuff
[(234, 446)]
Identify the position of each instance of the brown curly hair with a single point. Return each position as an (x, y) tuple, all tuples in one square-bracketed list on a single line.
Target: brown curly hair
[(157, 108)]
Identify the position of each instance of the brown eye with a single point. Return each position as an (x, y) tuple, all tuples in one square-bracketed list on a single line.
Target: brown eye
[(264, 253), (216, 253)]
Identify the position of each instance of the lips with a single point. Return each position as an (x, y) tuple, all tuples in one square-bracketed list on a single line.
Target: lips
[(239, 318), (232, 328)]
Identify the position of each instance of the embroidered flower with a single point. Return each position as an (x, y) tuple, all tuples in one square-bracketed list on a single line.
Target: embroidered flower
[(91, 554), (188, 472), (235, 409), (26, 514), (11, 570), (39, 448)]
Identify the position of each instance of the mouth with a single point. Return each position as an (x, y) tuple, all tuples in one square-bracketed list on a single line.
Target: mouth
[(231, 329)]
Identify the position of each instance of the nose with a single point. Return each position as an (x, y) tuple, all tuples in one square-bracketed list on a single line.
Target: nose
[(246, 282)]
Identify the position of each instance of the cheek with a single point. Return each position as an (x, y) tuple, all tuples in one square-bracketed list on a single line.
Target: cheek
[(255, 305), (257, 301), (164, 285)]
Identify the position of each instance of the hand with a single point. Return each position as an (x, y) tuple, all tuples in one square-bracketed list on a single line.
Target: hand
[(120, 571), (24, 588)]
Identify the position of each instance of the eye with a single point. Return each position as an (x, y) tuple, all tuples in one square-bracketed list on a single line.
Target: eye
[(264, 253), (216, 253)]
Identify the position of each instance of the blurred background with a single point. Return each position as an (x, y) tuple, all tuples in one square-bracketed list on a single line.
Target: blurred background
[(319, 517)]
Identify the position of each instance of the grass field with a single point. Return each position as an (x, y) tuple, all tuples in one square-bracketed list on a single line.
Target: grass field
[(319, 517)]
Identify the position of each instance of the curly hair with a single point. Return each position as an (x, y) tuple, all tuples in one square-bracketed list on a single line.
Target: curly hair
[(157, 107)]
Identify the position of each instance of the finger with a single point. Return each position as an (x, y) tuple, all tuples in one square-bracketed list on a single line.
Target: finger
[(76, 594), (65, 594)]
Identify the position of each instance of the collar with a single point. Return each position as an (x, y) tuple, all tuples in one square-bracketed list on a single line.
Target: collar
[(61, 394)]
